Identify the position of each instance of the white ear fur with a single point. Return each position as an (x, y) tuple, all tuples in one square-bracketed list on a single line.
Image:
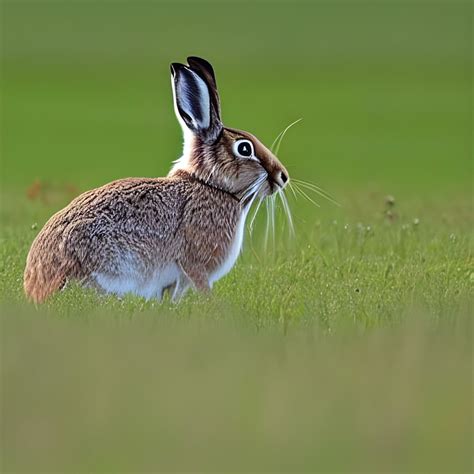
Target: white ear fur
[(192, 101)]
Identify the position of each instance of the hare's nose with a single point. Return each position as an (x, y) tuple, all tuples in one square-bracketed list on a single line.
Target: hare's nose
[(281, 179)]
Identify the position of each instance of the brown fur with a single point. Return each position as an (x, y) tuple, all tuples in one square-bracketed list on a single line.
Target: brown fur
[(188, 218)]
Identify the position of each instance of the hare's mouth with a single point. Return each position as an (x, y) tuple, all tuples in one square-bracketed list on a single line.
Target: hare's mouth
[(277, 181), (270, 188), (275, 186), (267, 184)]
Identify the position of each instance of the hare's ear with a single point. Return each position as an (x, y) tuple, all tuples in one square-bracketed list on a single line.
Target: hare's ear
[(205, 70), (193, 103)]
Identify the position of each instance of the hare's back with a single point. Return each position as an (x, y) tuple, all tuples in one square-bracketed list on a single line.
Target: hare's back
[(138, 217), (133, 200)]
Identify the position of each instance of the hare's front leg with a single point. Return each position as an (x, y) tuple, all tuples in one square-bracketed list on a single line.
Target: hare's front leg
[(198, 276), (179, 288)]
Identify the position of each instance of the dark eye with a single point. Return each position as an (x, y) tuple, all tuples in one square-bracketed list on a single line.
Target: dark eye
[(243, 148)]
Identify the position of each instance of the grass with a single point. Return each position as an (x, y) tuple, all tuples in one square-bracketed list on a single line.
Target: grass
[(345, 349), (135, 392), (356, 339), (364, 268)]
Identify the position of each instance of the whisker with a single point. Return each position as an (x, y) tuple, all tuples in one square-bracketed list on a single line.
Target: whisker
[(319, 193), (252, 220), (316, 189), (298, 191), (276, 144), (287, 210), (267, 225), (306, 196), (254, 215), (252, 199), (312, 185), (292, 190), (272, 207), (253, 189)]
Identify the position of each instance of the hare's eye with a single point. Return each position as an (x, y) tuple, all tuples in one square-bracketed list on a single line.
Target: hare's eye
[(243, 149)]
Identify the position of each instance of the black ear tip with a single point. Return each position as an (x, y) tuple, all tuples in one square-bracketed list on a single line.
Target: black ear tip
[(195, 58), (198, 60), (175, 67)]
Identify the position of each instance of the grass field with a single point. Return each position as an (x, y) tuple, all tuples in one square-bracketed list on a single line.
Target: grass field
[(345, 349)]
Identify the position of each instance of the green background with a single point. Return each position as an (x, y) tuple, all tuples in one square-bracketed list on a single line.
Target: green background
[(345, 349), (383, 88)]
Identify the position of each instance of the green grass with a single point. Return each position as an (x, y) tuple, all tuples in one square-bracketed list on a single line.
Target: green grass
[(144, 391), (345, 349)]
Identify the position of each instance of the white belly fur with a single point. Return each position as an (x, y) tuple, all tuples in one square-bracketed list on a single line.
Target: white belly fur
[(131, 279), (234, 250)]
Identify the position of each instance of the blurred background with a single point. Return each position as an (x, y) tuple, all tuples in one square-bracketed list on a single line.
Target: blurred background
[(383, 88), (348, 349)]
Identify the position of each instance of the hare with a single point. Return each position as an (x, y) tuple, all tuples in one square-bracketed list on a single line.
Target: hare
[(149, 235)]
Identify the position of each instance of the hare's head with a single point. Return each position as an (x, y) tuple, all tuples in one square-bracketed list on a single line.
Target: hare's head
[(230, 159)]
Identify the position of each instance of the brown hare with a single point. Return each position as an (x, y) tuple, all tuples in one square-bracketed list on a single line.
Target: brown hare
[(148, 235)]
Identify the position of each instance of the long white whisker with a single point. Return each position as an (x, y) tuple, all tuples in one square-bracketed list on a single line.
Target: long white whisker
[(305, 195), (276, 144), (267, 225), (292, 190), (317, 190), (257, 187), (272, 207), (319, 193), (298, 191), (252, 220), (252, 200), (279, 136), (254, 187), (313, 186), (247, 193), (287, 210)]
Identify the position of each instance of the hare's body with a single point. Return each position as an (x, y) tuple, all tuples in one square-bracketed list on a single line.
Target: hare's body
[(144, 235), (139, 236)]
